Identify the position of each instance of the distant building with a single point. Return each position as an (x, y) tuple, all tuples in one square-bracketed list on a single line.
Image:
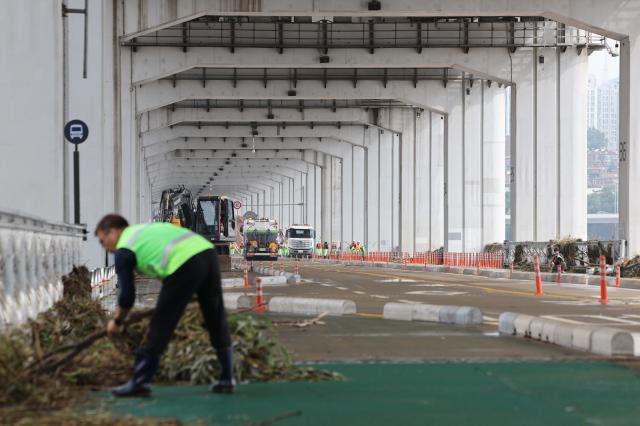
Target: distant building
[(608, 111), (592, 107)]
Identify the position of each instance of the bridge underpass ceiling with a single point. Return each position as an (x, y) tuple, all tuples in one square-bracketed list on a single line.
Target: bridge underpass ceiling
[(270, 132), (162, 93), (216, 41), (178, 166), (268, 147), (218, 166), (230, 154), (196, 183), (207, 112)]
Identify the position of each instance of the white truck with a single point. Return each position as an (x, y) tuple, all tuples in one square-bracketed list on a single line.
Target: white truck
[(300, 240)]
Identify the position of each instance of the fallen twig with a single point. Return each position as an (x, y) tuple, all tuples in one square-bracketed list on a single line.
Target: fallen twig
[(303, 323)]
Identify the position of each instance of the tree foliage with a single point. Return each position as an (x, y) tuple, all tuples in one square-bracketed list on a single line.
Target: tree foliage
[(596, 139), (603, 201)]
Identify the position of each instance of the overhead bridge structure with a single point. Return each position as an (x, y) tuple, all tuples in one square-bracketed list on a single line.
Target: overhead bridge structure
[(402, 124)]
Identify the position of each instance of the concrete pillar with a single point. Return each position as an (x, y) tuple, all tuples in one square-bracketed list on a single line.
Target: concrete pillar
[(472, 166), (325, 205), (336, 187), (454, 167), (403, 121), (373, 188), (548, 152), (629, 145), (359, 213), (437, 140), (493, 165), (385, 193), (572, 152)]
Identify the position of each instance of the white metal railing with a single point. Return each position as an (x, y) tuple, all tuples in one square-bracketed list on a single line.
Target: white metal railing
[(34, 255), (104, 286)]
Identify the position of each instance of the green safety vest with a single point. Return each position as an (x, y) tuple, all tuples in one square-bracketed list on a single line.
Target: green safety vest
[(161, 248)]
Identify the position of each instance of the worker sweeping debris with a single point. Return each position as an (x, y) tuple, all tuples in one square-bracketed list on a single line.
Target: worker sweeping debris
[(187, 264)]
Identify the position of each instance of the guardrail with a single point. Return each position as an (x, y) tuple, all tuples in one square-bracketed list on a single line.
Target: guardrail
[(34, 255)]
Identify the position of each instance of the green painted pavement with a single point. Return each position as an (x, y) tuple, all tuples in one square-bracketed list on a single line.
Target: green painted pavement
[(528, 393)]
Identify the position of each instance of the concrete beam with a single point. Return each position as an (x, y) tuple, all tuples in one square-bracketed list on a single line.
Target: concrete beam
[(161, 93), (165, 117), (352, 134), (153, 63), (614, 18), (214, 164), (266, 145)]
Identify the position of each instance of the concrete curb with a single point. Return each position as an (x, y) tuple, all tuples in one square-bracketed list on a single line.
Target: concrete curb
[(589, 338), (272, 281), (309, 306), (232, 282), (291, 278), (237, 300), (548, 277), (459, 315)]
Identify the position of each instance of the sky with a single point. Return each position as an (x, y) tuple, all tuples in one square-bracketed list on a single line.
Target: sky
[(603, 65)]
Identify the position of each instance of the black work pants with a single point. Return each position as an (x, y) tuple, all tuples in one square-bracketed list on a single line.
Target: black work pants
[(200, 275)]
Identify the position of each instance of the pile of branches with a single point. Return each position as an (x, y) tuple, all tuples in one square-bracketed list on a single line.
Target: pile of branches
[(630, 268), (54, 359)]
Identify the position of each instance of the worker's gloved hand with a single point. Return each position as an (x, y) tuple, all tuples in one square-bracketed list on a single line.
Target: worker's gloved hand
[(114, 329)]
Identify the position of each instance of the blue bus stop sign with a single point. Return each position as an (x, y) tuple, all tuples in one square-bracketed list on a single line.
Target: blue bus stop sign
[(76, 131)]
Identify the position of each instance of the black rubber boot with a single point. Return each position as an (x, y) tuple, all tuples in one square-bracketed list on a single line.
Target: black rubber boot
[(140, 384), (226, 384)]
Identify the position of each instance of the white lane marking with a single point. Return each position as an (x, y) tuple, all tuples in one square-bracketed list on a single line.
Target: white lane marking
[(612, 319), (377, 296), (342, 288), (326, 285), (396, 280), (411, 302), (571, 302), (359, 292), (488, 318), (558, 318), (436, 293), (429, 285), (630, 316)]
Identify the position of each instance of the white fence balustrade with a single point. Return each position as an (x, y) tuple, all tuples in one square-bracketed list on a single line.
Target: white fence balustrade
[(34, 255)]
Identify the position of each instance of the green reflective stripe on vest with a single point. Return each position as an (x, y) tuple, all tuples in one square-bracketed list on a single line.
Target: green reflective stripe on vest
[(136, 234), (169, 247), (161, 248)]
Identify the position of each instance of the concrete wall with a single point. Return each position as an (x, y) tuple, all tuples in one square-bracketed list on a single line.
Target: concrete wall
[(31, 114)]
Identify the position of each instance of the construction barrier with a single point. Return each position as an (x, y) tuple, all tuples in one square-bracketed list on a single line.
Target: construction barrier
[(476, 260)]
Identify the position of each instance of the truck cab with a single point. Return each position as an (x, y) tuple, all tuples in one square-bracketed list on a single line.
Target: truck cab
[(260, 239), (215, 220), (300, 240)]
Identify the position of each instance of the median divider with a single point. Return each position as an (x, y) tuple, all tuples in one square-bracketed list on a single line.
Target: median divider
[(447, 314), (311, 306), (232, 282), (236, 300), (271, 281), (590, 338), (290, 277)]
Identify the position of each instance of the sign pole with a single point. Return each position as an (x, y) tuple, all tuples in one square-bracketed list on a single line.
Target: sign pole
[(76, 185), (76, 132)]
